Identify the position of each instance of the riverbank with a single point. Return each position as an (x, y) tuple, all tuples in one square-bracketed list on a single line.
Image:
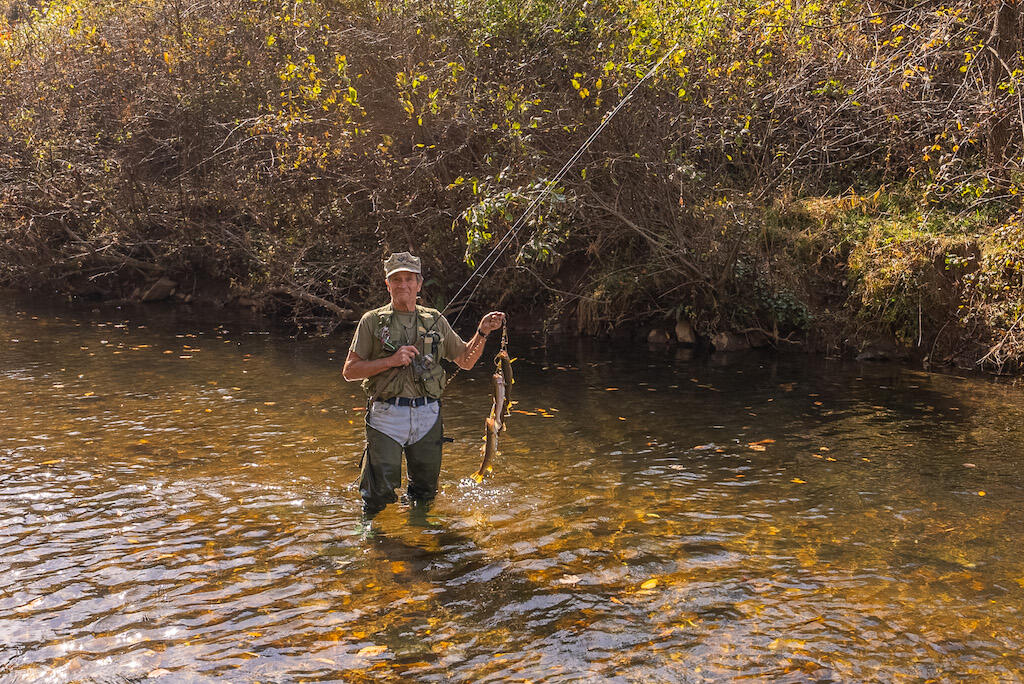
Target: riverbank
[(663, 341), (856, 276), (759, 189)]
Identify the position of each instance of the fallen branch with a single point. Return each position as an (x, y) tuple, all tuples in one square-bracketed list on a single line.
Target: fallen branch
[(114, 258), (993, 353), (117, 259), (343, 314), (775, 336)]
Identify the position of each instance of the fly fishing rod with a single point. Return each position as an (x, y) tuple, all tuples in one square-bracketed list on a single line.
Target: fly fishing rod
[(495, 423), (485, 266)]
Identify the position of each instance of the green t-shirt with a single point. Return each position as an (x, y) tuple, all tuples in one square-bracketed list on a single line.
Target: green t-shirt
[(402, 331)]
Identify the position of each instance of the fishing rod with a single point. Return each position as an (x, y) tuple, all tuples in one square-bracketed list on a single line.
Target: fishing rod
[(503, 375), (485, 266)]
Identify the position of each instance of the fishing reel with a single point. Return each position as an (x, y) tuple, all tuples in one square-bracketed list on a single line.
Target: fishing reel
[(422, 363)]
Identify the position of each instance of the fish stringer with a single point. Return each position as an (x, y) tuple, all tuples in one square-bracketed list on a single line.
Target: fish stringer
[(501, 382)]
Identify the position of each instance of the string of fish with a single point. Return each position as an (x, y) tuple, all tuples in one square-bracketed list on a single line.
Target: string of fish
[(501, 405)]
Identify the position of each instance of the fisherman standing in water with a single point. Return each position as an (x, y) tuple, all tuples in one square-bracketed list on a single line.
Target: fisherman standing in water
[(396, 352)]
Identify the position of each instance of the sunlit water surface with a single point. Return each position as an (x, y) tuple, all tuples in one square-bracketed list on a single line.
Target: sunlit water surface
[(176, 500)]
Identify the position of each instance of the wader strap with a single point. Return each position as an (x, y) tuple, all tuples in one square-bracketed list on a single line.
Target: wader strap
[(362, 458), (383, 386), (369, 402)]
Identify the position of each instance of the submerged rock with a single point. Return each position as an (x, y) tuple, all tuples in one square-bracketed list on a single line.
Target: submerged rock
[(758, 339), (658, 336), (684, 333), (882, 350), (161, 289), (729, 341)]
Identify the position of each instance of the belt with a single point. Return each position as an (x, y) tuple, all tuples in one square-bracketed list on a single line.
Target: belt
[(410, 401)]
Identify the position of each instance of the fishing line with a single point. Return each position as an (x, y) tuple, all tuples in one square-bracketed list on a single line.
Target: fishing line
[(485, 266)]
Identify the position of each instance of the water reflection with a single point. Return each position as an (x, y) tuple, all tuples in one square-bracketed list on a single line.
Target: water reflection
[(176, 501)]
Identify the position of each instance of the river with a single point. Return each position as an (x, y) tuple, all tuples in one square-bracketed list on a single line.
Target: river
[(176, 502)]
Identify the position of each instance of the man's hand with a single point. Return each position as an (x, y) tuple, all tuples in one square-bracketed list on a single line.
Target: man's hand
[(403, 357), (358, 369), (491, 322), (471, 353)]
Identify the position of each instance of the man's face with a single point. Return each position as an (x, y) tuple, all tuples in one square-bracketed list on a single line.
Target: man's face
[(404, 286)]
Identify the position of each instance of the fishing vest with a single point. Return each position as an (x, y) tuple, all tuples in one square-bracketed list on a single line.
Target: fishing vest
[(432, 380)]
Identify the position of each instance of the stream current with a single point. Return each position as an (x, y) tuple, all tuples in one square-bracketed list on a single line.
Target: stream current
[(176, 501)]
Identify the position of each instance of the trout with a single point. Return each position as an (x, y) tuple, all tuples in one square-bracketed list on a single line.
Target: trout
[(503, 366), (494, 424), (501, 404), (489, 450), (498, 393)]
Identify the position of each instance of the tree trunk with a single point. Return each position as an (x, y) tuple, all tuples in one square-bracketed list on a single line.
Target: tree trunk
[(1005, 43)]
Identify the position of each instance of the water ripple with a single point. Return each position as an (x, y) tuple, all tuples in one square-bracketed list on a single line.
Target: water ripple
[(193, 518)]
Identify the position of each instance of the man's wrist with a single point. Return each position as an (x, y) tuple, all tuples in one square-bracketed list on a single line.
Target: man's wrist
[(481, 333)]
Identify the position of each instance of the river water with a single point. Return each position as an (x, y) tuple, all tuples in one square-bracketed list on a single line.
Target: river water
[(176, 501)]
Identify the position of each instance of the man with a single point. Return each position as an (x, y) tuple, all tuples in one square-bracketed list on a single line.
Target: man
[(396, 352)]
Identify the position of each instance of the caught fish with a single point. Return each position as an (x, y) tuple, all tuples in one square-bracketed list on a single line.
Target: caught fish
[(501, 405), (503, 366), (498, 392), (489, 450)]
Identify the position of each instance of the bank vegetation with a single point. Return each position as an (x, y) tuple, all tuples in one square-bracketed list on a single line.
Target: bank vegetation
[(829, 175)]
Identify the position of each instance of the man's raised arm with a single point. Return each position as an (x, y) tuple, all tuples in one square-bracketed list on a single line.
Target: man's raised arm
[(471, 354)]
